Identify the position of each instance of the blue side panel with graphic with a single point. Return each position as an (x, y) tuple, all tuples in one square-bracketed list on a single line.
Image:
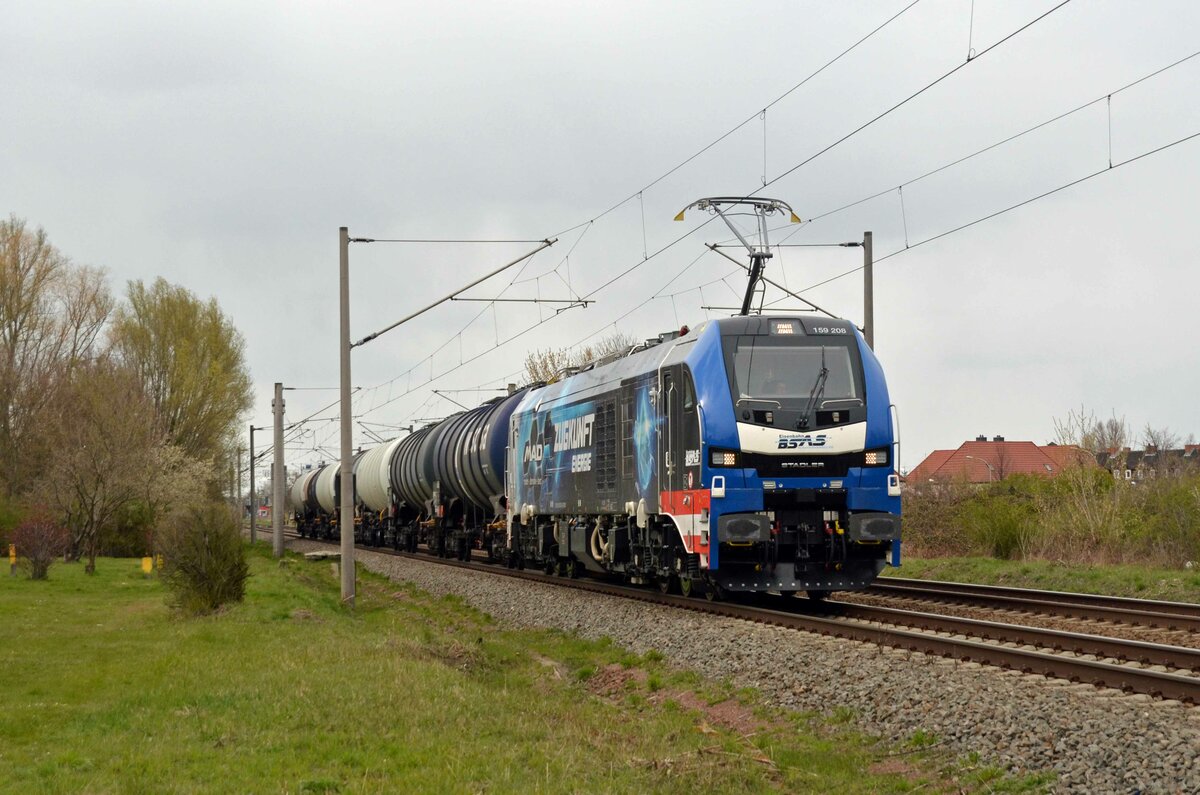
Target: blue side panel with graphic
[(554, 446)]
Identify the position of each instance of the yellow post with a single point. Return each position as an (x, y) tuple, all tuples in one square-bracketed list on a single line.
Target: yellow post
[(12, 560), (147, 566)]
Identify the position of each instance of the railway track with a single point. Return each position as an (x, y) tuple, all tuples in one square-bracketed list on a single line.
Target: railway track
[(1178, 616), (1159, 670)]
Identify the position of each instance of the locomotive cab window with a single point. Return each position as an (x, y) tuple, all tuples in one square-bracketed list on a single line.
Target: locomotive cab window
[(788, 370), (689, 392), (795, 381)]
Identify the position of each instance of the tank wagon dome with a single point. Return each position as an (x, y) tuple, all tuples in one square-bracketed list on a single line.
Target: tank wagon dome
[(426, 474), (404, 468), (479, 457), (298, 490), (448, 450), (326, 495), (329, 483), (373, 476), (310, 489)]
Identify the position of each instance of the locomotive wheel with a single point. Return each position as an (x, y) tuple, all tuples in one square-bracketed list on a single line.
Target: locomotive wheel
[(548, 568), (666, 584), (685, 585), (574, 569), (714, 593), (817, 596)]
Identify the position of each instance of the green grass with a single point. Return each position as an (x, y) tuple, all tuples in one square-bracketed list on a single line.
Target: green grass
[(104, 690), (1141, 582)]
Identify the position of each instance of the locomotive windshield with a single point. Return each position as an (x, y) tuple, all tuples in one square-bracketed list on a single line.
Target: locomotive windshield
[(793, 369)]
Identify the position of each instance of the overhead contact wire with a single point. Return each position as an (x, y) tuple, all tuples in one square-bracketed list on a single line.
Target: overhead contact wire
[(1010, 208), (913, 96), (749, 119)]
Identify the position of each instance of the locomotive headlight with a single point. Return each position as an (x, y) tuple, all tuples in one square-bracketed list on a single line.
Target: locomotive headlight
[(724, 458), (876, 458)]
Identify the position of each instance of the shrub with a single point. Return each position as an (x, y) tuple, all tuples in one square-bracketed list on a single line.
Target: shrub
[(204, 560), (931, 519), (1001, 525), (40, 539)]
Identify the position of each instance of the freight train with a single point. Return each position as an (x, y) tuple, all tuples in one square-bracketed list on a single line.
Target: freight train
[(749, 454)]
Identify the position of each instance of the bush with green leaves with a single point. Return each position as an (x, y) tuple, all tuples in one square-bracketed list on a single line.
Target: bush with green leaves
[(1002, 519), (204, 560)]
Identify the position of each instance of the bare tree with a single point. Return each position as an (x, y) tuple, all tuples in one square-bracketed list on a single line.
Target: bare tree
[(545, 365), (616, 342), (1082, 429), (1159, 442), (51, 315), (104, 453), (1076, 428), (1159, 438), (1111, 434), (1003, 461)]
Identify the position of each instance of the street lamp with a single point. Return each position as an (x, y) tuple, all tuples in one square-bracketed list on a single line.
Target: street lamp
[(991, 470)]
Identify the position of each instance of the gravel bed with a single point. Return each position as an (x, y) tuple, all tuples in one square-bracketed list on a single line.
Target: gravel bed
[(1174, 637), (1094, 740)]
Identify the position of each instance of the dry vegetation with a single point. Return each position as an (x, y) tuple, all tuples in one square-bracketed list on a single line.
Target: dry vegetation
[(1084, 515)]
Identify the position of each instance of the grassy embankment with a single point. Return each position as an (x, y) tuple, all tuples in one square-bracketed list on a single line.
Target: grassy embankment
[(105, 691), (1139, 582)]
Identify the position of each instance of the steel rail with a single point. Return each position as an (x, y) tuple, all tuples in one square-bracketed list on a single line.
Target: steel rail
[(1145, 618), (1162, 684), (1179, 657), (1069, 597)]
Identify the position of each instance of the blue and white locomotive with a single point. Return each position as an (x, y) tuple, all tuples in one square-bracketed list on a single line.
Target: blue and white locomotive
[(749, 454)]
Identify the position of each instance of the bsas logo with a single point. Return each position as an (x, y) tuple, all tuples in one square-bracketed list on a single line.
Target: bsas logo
[(801, 440)]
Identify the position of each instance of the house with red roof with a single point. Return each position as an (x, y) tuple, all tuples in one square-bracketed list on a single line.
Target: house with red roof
[(984, 460)]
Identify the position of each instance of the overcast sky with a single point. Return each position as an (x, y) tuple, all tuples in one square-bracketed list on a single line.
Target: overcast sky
[(221, 145)]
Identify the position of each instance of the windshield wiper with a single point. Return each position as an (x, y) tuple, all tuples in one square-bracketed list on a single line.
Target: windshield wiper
[(817, 391)]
